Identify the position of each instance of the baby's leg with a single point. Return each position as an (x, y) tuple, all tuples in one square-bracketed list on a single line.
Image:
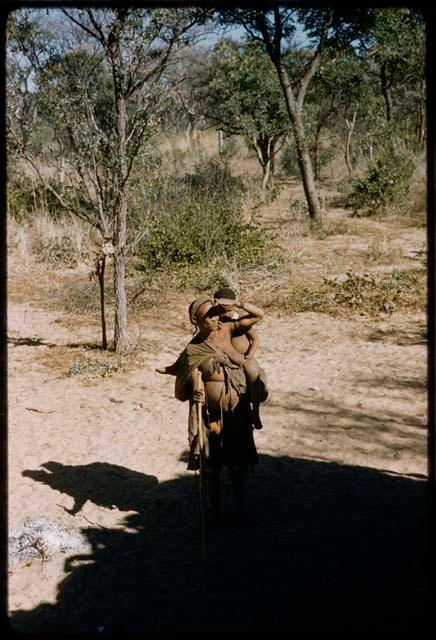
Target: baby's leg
[(170, 369), (251, 369), (216, 427), (252, 373)]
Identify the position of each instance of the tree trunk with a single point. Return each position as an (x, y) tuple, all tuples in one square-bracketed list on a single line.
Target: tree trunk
[(317, 152), (188, 131), (273, 161), (266, 174), (62, 176), (305, 165), (121, 337), (220, 142), (350, 129), (264, 148), (100, 264), (386, 92), (303, 155), (420, 126)]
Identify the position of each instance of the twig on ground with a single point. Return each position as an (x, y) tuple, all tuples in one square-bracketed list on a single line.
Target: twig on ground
[(94, 523)]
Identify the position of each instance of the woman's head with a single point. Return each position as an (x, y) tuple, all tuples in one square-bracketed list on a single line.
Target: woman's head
[(204, 314)]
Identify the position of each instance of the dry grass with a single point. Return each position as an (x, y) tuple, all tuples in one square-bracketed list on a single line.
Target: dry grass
[(88, 361), (362, 293), (42, 239)]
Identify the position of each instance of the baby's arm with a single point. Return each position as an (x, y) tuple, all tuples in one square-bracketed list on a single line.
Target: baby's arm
[(253, 337)]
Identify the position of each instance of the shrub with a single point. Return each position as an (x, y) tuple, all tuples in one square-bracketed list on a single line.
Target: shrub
[(386, 185), (198, 218)]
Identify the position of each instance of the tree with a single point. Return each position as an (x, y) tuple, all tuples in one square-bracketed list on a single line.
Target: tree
[(395, 47), (275, 29), (342, 88), (244, 97), (104, 98)]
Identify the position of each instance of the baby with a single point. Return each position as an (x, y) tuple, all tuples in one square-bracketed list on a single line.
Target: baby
[(238, 342), (248, 342)]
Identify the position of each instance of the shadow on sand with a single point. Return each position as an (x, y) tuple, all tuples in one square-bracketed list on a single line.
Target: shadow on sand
[(332, 547)]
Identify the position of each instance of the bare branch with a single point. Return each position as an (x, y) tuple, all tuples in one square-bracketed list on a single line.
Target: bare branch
[(81, 25), (157, 71), (100, 35), (49, 187)]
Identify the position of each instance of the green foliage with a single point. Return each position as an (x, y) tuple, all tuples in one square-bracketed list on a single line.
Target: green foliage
[(58, 251), (385, 186), (244, 94), (197, 219), (289, 158), (244, 97), (201, 277)]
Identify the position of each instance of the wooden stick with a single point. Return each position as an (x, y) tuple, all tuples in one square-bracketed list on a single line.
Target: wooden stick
[(200, 432)]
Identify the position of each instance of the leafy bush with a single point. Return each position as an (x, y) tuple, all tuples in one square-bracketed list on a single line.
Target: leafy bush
[(386, 185), (198, 218)]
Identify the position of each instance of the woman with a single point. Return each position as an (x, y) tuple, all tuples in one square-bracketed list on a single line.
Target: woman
[(226, 408)]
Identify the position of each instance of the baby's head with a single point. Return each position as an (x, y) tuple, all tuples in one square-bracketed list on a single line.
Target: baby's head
[(228, 294), (225, 292)]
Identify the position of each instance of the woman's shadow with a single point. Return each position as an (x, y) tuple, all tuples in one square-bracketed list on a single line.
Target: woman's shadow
[(332, 547)]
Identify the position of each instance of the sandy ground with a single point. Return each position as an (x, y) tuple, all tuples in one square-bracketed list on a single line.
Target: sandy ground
[(337, 504), (347, 412)]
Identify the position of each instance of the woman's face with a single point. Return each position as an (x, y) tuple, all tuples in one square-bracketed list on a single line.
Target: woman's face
[(207, 317)]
